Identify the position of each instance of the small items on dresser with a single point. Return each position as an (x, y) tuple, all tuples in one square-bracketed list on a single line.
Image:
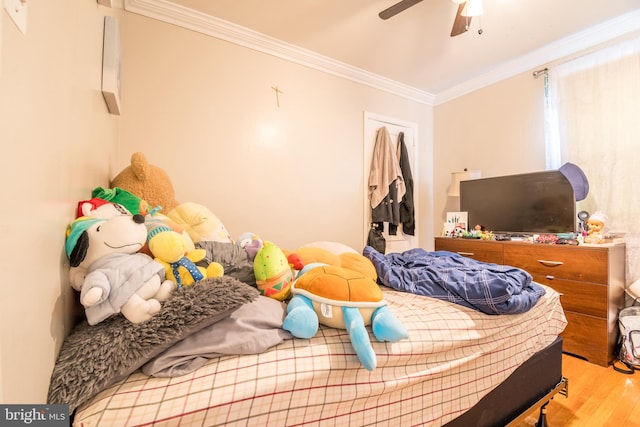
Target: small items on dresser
[(595, 228)]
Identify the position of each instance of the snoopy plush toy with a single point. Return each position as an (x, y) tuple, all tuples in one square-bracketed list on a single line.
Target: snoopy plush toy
[(108, 271)]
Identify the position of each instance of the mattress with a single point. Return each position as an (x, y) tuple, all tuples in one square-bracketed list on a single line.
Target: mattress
[(453, 357)]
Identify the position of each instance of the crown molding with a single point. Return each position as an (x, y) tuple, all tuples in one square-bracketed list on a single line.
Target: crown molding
[(171, 13), (568, 47), (582, 41)]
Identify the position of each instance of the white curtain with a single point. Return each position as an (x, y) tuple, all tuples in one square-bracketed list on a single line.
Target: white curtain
[(593, 120)]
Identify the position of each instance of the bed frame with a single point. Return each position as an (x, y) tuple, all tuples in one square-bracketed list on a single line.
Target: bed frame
[(531, 386)]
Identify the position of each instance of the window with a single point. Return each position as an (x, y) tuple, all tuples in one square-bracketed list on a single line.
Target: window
[(593, 120)]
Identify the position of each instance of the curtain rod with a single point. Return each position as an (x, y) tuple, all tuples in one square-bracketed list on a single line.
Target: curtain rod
[(538, 73)]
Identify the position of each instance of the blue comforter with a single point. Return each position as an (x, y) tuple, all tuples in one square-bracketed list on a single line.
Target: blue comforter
[(489, 288)]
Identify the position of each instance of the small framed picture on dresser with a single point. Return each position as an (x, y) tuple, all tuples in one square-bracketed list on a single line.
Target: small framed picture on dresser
[(459, 219)]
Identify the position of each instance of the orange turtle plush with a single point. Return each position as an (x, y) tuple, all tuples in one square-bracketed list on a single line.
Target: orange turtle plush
[(349, 259), (341, 298)]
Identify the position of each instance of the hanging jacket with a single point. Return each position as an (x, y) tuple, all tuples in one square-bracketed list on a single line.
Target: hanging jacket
[(407, 209)]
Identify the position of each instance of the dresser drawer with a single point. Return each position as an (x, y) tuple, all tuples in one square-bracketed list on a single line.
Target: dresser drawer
[(590, 278), (587, 336), (479, 250), (586, 265), (581, 297)]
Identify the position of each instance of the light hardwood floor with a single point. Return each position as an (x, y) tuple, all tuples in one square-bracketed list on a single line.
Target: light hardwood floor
[(598, 397)]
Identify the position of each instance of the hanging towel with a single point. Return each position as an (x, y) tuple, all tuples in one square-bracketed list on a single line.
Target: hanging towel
[(385, 169)]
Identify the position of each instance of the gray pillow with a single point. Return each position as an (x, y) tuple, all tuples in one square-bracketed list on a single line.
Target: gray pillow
[(232, 257), (95, 357)]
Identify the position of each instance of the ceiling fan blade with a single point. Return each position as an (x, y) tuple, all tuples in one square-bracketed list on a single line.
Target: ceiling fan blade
[(461, 23), (397, 8)]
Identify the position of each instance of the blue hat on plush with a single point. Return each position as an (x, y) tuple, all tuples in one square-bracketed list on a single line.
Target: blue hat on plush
[(75, 230)]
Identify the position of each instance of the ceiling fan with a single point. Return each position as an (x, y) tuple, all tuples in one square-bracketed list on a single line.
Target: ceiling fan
[(466, 10)]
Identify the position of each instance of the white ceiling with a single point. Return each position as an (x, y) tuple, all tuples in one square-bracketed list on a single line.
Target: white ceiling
[(414, 48)]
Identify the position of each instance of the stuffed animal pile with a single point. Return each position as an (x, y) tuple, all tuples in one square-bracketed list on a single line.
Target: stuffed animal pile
[(125, 256), (134, 244)]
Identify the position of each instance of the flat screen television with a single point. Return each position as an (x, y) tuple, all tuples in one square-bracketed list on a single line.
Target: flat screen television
[(530, 203)]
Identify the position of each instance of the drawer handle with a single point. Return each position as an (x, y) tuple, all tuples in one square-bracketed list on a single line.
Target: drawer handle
[(466, 253), (550, 263)]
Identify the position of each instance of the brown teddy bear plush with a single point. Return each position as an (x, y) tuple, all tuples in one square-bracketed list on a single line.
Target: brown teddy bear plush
[(150, 183)]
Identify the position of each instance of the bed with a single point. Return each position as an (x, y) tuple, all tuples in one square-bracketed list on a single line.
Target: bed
[(458, 367)]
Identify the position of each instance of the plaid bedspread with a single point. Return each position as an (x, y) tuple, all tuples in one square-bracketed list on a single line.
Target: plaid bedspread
[(454, 356)]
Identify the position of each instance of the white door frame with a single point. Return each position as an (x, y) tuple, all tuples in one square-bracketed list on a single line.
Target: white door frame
[(373, 122)]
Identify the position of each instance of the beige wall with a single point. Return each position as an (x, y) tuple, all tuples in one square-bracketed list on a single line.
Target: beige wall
[(204, 110), (58, 141), (498, 130)]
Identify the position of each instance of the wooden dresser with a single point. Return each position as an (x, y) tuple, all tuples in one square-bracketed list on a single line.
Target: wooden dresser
[(590, 279)]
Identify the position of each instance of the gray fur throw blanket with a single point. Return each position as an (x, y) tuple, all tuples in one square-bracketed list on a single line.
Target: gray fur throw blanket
[(95, 357)]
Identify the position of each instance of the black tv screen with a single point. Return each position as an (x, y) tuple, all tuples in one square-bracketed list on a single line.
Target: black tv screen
[(531, 203)]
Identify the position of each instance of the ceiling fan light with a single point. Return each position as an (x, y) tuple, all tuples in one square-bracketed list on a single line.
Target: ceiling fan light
[(472, 8)]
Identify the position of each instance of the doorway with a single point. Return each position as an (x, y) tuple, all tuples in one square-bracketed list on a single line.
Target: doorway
[(372, 122)]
